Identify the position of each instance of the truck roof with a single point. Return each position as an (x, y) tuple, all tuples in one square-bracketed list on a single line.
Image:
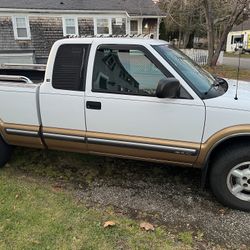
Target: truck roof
[(113, 40)]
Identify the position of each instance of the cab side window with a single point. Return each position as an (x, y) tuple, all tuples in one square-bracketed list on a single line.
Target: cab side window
[(128, 70), (125, 71)]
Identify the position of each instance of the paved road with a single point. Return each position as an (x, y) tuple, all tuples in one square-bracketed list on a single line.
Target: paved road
[(234, 61)]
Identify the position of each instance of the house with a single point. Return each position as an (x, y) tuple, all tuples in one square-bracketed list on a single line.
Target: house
[(239, 37), (28, 28)]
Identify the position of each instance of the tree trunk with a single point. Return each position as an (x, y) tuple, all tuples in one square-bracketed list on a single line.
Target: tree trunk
[(210, 30), (234, 17), (220, 46), (190, 44), (186, 37), (179, 38)]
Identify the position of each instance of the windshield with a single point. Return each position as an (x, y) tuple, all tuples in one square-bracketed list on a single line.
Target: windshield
[(199, 79)]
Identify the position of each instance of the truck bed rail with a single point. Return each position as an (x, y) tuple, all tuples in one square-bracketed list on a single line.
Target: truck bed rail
[(15, 78)]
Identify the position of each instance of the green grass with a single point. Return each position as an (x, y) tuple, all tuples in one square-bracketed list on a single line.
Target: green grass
[(35, 215), (186, 237)]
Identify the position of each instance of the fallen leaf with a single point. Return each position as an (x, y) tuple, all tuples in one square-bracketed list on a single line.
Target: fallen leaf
[(222, 212), (147, 226), (109, 224), (35, 241), (57, 187), (56, 190)]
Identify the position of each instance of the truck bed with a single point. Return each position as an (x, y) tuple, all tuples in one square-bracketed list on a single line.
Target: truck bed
[(35, 72)]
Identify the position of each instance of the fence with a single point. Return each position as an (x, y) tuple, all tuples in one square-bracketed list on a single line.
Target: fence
[(200, 56)]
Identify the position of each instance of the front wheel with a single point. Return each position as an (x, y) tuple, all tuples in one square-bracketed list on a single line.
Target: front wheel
[(230, 177), (5, 152)]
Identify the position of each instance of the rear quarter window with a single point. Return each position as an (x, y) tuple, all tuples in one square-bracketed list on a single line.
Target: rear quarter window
[(70, 67)]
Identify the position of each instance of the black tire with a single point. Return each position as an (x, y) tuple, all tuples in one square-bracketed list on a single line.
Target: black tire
[(5, 152), (222, 180)]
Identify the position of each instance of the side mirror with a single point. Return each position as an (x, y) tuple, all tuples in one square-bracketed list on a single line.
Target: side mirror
[(168, 88)]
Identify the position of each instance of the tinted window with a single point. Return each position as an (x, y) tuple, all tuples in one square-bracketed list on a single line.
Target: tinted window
[(125, 71), (70, 67)]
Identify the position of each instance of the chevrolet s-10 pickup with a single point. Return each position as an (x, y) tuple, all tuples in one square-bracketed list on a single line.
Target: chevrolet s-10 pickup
[(134, 98)]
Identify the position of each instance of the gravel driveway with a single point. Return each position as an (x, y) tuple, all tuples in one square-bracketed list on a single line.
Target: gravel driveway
[(168, 195), (163, 195)]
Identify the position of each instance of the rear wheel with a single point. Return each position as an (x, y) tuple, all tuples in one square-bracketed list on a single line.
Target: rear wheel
[(5, 152), (230, 177)]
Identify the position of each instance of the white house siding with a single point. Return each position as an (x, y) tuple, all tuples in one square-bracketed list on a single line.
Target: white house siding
[(232, 44)]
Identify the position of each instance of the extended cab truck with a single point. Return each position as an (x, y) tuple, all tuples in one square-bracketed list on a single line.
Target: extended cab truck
[(134, 98)]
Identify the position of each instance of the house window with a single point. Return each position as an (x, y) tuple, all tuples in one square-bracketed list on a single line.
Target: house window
[(134, 27), (103, 26), (70, 26), (237, 39), (21, 28)]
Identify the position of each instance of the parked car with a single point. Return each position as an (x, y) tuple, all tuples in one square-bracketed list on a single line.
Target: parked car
[(134, 98)]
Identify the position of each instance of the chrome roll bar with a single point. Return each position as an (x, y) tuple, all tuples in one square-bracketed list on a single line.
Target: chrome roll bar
[(15, 78)]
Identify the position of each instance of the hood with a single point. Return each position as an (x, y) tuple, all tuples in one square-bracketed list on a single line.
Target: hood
[(228, 101)]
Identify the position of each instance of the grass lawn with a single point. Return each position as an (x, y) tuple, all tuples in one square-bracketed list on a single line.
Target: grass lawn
[(229, 72), (35, 214)]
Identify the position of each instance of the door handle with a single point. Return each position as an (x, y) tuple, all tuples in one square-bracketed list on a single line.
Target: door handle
[(94, 105)]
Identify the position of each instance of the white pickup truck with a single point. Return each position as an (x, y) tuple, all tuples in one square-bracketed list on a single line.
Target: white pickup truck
[(134, 98)]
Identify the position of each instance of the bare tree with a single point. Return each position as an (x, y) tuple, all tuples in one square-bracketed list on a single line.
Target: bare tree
[(182, 19), (227, 13), (215, 18)]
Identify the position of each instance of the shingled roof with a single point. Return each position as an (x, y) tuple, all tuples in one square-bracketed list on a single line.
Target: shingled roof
[(240, 27), (132, 7)]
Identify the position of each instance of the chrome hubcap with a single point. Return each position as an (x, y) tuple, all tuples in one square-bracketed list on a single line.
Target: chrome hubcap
[(238, 181)]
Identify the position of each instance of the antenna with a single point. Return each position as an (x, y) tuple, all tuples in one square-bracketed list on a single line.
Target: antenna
[(238, 70), (238, 76)]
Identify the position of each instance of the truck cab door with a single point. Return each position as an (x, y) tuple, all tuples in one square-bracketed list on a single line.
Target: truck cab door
[(125, 118), (62, 98)]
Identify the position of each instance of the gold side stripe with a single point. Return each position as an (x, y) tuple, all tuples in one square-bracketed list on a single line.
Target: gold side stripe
[(216, 138), (61, 131), (21, 135), (8, 132)]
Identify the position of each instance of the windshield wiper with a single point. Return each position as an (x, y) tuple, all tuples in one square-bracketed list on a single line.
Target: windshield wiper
[(218, 82), (214, 85)]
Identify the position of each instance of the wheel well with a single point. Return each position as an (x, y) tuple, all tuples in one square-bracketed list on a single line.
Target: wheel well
[(244, 139), (1, 137)]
